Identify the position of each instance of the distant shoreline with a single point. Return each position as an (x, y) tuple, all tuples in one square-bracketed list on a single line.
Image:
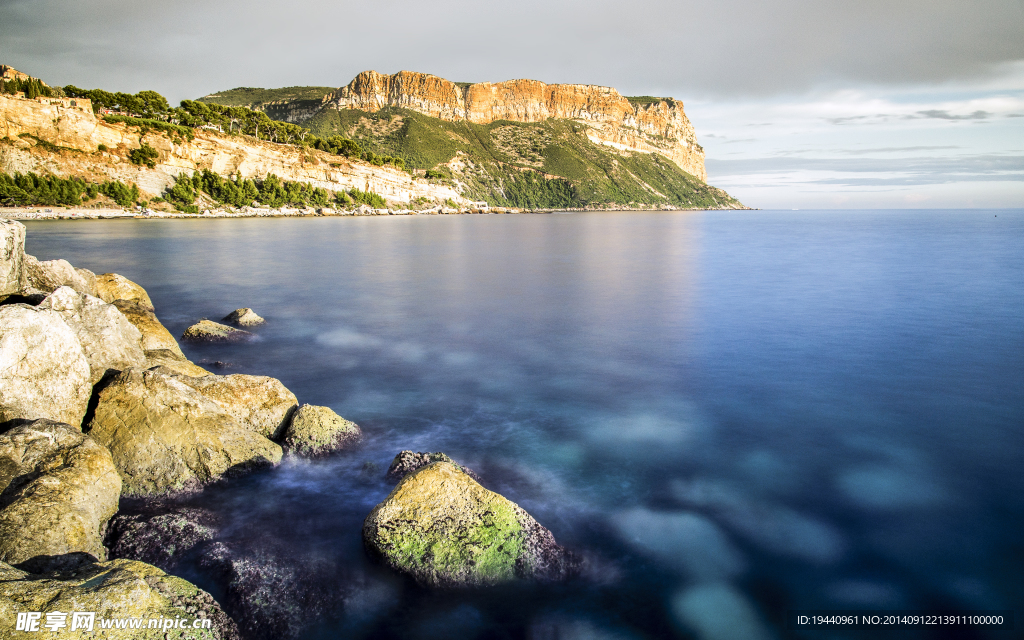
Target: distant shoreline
[(82, 213)]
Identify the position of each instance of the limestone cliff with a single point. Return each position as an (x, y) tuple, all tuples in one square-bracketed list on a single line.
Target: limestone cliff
[(658, 126), (61, 140)]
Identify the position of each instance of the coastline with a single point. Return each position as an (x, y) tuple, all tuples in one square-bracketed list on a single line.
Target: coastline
[(84, 213)]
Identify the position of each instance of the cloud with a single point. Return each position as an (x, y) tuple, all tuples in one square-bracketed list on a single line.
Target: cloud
[(881, 171), (731, 47), (942, 114)]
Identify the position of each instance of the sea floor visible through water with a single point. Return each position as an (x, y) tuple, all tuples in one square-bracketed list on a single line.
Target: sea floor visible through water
[(732, 414)]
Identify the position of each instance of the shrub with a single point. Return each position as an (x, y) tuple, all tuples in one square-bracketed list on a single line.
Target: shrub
[(144, 155)]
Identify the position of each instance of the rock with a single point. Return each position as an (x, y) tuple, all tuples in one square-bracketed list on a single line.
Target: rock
[(244, 317), (161, 539), (718, 612), (259, 403), (108, 339), (179, 365), (50, 275), (43, 371), (443, 529), (59, 488), (680, 541), (154, 334), (274, 592), (316, 431), (762, 522), (111, 287), (209, 331), (12, 257), (408, 461), (114, 589), (166, 438)]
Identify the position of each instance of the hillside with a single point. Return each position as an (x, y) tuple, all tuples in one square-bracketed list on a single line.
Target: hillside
[(517, 143), (67, 140)]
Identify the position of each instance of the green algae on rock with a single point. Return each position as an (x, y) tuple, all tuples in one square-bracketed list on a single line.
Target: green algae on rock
[(316, 431), (443, 529)]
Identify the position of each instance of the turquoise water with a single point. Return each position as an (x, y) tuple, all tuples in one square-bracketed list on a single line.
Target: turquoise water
[(731, 414)]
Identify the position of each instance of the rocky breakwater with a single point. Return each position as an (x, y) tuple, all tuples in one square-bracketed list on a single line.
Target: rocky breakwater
[(646, 125), (24, 124), (99, 409)]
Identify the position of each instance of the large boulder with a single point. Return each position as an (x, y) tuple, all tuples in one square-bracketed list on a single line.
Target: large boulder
[(210, 331), (244, 317), (259, 403), (49, 275), (154, 334), (111, 287), (121, 589), (43, 371), (159, 345), (12, 257), (317, 431), (443, 529), (108, 339), (59, 488), (167, 438)]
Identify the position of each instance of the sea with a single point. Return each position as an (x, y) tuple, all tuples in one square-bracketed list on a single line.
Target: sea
[(735, 417)]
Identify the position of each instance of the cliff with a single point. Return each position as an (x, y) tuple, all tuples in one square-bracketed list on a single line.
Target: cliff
[(646, 126), (53, 138)]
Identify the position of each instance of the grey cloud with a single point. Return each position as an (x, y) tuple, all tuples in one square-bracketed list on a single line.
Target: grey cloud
[(898, 171), (188, 48), (945, 115)]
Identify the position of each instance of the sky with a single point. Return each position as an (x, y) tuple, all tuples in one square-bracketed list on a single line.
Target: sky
[(798, 103)]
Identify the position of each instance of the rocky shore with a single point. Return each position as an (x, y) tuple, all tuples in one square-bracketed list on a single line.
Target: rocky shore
[(105, 422), (84, 213)]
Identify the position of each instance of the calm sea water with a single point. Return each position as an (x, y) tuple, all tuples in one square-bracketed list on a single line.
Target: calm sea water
[(732, 414)]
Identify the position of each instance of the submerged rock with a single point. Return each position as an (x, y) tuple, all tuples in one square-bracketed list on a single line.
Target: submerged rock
[(682, 541), (209, 331), (718, 612), (317, 431), (244, 317), (408, 461), (259, 403), (274, 592), (50, 275), (108, 339), (43, 371), (111, 287), (168, 438), (443, 529), (161, 539), (115, 589), (12, 257), (59, 488), (762, 522)]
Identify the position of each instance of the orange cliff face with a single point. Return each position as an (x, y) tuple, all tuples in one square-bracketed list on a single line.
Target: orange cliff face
[(611, 119)]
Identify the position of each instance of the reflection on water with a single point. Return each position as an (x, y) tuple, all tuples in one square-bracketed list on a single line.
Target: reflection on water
[(733, 414)]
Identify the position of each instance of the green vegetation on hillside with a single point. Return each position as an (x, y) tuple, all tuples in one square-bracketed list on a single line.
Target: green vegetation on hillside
[(31, 87), (270, 191), (253, 96), (550, 164), (29, 189)]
